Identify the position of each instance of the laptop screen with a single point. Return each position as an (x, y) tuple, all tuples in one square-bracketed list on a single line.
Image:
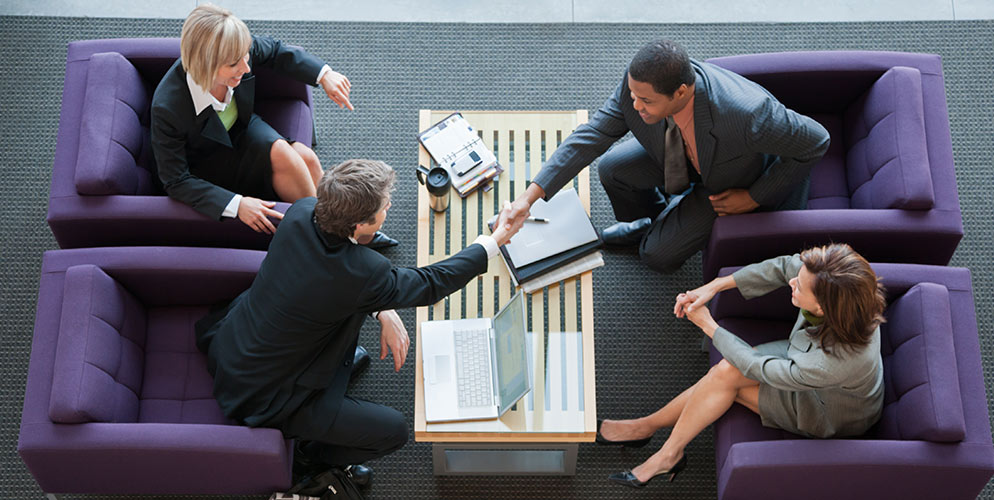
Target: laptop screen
[(509, 341)]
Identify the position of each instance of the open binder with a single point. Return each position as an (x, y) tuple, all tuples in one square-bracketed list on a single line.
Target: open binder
[(457, 147)]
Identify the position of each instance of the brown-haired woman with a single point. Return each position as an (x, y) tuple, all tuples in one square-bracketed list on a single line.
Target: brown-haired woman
[(826, 380)]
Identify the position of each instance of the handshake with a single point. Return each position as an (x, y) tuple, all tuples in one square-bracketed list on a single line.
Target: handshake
[(508, 223)]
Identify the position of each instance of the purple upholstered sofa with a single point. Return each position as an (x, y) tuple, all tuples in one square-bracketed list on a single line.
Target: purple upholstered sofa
[(886, 185), (104, 191), (118, 399), (934, 438)]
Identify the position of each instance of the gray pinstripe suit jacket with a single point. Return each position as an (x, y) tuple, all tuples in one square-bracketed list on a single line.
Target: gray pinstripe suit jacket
[(745, 138), (802, 388)]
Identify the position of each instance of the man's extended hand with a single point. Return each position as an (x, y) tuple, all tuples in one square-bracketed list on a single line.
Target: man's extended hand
[(733, 201), (503, 231), (337, 86), (253, 212), (393, 336), (519, 210)]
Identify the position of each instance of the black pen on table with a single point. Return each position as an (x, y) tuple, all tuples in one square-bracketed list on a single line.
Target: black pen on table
[(537, 219)]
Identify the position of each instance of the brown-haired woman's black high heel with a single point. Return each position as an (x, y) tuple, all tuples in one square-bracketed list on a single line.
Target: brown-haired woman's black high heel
[(628, 479), (634, 443)]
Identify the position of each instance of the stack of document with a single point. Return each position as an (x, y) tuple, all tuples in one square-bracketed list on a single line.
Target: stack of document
[(557, 242)]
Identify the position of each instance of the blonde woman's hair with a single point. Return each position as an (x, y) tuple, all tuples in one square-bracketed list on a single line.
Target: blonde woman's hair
[(211, 37)]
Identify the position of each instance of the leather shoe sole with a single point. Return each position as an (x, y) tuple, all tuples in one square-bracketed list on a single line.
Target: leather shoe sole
[(626, 233), (381, 240), (360, 362), (361, 475)]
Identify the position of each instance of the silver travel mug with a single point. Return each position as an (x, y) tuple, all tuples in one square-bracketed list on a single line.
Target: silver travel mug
[(438, 183)]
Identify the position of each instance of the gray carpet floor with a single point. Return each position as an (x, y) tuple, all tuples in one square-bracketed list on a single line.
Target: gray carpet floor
[(397, 69)]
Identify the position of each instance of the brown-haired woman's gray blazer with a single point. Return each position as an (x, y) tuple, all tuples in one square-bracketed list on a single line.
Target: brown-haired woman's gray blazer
[(803, 389)]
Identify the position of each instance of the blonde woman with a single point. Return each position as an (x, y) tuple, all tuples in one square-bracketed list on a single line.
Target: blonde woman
[(211, 150), (825, 380)]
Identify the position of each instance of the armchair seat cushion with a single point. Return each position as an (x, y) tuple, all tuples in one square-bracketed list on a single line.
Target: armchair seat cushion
[(829, 185), (177, 387)]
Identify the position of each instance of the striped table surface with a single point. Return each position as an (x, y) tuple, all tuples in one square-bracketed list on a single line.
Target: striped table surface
[(561, 407)]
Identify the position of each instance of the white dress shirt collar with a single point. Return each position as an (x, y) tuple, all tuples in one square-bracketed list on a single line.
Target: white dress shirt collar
[(202, 99)]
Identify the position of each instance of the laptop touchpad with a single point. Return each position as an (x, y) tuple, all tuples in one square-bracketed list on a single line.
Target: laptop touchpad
[(443, 370)]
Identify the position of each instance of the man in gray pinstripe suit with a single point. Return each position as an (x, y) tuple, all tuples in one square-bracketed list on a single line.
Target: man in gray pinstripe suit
[(742, 150)]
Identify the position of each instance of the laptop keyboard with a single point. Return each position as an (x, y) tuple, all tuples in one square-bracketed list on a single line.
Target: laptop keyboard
[(473, 368)]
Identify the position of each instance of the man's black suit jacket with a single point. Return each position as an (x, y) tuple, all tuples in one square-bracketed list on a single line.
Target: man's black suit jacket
[(182, 139), (295, 329)]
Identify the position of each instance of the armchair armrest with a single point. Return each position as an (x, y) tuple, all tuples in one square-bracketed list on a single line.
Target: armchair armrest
[(888, 235), (129, 458), (848, 468), (82, 221)]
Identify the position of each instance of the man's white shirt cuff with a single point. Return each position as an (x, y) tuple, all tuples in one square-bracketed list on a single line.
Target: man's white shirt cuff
[(324, 70), (489, 244), (232, 209)]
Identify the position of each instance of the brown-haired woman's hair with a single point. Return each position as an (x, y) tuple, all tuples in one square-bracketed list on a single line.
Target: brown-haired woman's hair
[(848, 292), (350, 193)]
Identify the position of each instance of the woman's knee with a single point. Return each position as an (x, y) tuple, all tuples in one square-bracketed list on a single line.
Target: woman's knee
[(307, 154), (282, 155), (726, 372)]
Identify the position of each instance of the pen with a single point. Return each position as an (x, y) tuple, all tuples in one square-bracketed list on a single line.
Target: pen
[(538, 219)]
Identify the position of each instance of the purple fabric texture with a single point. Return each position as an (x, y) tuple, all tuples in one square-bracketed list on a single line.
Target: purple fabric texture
[(887, 164), (922, 398), (886, 186), (98, 362), (916, 449), (114, 126), (173, 439), (102, 191)]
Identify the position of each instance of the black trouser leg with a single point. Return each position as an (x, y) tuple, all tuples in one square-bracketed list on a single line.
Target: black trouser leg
[(631, 178)]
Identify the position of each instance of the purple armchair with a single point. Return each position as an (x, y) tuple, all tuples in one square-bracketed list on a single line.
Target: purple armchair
[(886, 185), (104, 189), (118, 398), (934, 437)]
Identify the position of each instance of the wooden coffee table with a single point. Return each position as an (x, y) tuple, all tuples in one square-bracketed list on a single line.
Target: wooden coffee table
[(541, 434)]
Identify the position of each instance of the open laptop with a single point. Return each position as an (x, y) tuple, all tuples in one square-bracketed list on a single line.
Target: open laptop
[(475, 369)]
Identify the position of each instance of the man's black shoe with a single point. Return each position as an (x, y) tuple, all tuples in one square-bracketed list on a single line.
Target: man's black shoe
[(626, 233), (361, 475), (305, 464), (381, 240), (360, 362)]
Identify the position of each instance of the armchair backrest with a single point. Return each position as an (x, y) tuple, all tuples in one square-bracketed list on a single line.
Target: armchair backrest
[(922, 399), (886, 158), (99, 360), (115, 156)]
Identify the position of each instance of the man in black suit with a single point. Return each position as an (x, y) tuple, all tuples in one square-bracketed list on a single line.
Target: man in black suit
[(281, 352), (707, 143)]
